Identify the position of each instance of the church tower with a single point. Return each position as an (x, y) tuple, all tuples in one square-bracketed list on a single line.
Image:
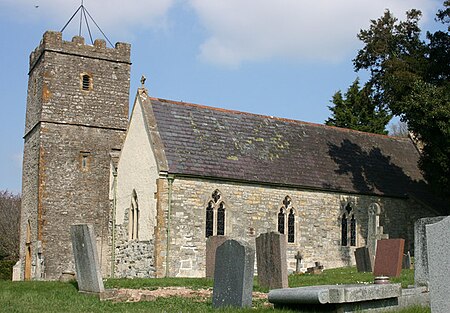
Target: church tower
[(76, 117)]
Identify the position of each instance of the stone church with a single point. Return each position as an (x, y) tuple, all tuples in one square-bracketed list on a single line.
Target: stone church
[(157, 185)]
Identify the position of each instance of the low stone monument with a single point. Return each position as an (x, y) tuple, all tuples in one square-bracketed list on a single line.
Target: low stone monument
[(363, 260), (420, 249), (271, 260), (211, 246), (337, 298), (438, 243), (389, 257), (233, 275), (87, 267)]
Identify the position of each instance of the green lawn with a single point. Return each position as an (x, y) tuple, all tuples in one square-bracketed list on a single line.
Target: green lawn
[(59, 297)]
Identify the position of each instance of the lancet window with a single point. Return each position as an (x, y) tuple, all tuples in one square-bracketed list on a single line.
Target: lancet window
[(348, 235)]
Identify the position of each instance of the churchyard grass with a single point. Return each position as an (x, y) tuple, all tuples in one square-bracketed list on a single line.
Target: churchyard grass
[(58, 297)]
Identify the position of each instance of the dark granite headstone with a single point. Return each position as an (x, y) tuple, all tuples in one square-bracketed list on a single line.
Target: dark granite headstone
[(233, 275), (363, 260), (389, 257), (271, 260), (87, 267), (211, 246)]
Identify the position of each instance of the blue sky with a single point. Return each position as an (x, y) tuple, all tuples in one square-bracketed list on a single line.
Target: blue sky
[(282, 58)]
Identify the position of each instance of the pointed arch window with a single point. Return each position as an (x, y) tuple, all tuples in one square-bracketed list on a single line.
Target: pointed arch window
[(286, 219), (281, 219), (215, 215), (291, 226), (348, 236), (221, 219), (133, 221)]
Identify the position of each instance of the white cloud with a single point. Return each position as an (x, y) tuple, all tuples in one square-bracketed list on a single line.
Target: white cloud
[(319, 30), (116, 16)]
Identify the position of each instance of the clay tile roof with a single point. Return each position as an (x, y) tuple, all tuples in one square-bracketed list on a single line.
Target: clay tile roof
[(210, 142)]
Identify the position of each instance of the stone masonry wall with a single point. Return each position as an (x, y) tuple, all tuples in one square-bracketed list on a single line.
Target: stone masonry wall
[(253, 209), (68, 161), (134, 258)]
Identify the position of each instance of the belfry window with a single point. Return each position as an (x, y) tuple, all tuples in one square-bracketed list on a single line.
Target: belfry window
[(348, 217), (215, 215), (286, 221), (86, 82)]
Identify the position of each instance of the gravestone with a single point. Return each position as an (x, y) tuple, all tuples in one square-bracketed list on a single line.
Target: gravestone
[(271, 260), (87, 267), (363, 259), (211, 246), (389, 257), (438, 244), (406, 261), (233, 274), (299, 267), (420, 249), (374, 231)]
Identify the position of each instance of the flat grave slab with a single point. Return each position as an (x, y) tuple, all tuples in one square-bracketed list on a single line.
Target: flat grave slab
[(338, 298)]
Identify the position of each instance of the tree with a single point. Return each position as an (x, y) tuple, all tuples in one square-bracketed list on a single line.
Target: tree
[(411, 78), (9, 225), (357, 109)]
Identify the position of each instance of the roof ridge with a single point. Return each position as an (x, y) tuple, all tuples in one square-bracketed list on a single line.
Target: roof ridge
[(341, 129)]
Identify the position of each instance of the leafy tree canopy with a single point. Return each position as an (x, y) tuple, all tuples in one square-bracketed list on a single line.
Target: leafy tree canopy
[(358, 110), (410, 77)]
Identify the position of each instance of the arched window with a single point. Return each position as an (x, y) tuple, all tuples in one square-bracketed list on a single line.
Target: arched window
[(281, 223), (348, 217), (210, 219), (291, 226), (134, 217), (215, 209), (286, 219), (353, 231), (344, 230), (221, 219)]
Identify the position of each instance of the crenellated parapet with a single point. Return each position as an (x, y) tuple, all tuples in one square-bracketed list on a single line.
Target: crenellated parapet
[(53, 41)]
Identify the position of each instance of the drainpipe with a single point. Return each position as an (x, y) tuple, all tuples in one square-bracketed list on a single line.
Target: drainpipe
[(113, 244), (170, 180)]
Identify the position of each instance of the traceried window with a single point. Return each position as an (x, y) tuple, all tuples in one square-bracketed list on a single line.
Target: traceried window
[(215, 215), (348, 217), (133, 222), (286, 219)]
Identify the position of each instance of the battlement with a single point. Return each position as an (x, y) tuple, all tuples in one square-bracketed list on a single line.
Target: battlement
[(52, 41)]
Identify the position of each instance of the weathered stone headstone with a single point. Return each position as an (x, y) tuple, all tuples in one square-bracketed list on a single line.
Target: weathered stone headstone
[(87, 267), (16, 273), (372, 227), (389, 257), (363, 260), (406, 264), (374, 230), (271, 260), (299, 266), (438, 244), (211, 246), (420, 249), (233, 274)]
